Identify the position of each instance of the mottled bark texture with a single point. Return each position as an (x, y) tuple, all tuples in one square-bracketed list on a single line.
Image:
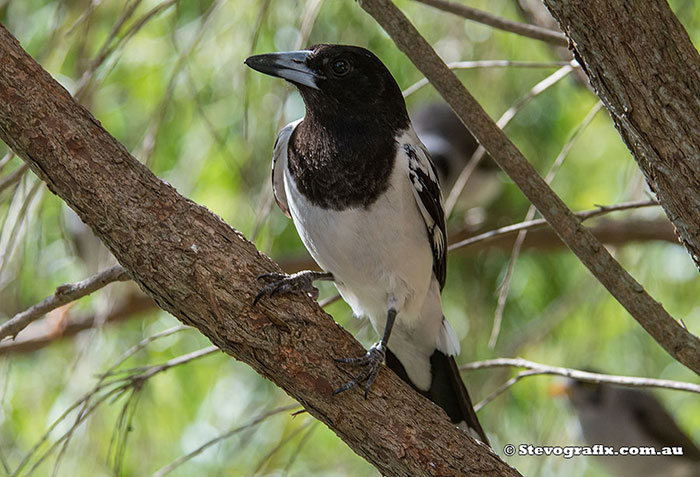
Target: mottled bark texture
[(204, 272), (645, 69), (650, 314)]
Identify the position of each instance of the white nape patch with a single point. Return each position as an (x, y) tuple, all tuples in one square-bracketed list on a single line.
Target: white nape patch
[(447, 340)]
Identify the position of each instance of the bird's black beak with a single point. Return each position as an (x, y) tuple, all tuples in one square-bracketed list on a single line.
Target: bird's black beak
[(289, 65)]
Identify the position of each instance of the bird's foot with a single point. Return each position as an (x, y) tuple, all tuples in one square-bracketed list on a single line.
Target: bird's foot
[(371, 361), (283, 283)]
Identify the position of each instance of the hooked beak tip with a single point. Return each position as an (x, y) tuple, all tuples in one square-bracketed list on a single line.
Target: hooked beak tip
[(290, 65)]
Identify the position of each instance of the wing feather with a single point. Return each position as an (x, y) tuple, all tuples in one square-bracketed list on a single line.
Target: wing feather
[(426, 189)]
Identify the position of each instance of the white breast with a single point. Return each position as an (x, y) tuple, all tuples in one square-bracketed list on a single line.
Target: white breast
[(381, 254)]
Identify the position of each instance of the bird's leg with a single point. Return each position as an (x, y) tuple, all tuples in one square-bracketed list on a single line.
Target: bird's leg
[(372, 360), (297, 282)]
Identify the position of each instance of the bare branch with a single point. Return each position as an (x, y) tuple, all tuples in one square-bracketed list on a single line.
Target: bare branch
[(6, 159), (302, 442), (133, 381), (524, 29), (515, 253), (266, 458), (13, 177), (503, 388), (537, 223), (41, 334), (468, 65), (674, 338), (64, 294), (539, 369)]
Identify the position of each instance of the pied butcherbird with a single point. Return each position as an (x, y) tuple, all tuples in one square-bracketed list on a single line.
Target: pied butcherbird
[(617, 417), (365, 199)]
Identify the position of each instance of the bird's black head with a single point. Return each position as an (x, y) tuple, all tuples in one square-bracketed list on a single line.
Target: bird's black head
[(339, 82)]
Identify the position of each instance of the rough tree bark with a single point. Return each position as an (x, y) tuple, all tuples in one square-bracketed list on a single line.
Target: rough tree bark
[(645, 69), (674, 338), (204, 272)]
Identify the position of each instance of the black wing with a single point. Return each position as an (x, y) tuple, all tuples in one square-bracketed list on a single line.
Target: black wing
[(426, 189)]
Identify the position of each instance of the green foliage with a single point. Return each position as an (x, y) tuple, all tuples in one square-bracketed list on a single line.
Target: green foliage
[(177, 95)]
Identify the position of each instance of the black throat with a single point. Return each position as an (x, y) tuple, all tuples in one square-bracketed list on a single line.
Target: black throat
[(340, 162)]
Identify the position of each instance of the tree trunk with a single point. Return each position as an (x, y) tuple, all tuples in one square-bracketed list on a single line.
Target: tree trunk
[(645, 69), (205, 273)]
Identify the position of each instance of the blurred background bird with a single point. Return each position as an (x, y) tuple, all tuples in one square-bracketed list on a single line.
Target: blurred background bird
[(451, 147), (618, 416)]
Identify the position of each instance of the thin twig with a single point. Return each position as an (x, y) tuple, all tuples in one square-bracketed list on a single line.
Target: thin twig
[(182, 459), (524, 29), (83, 17), (150, 139), (13, 177), (135, 379), (262, 13), (283, 442), (537, 223), (302, 442), (502, 122), (141, 345), (502, 388), (83, 415), (15, 236), (540, 369), (146, 372), (38, 337), (106, 48), (468, 65), (6, 159), (64, 294), (515, 252)]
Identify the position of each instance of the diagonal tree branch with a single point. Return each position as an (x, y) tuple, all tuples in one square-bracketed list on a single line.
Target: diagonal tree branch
[(675, 339), (645, 69), (64, 294), (205, 273)]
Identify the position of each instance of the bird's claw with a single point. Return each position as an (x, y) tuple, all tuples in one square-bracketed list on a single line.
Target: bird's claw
[(283, 283), (371, 361)]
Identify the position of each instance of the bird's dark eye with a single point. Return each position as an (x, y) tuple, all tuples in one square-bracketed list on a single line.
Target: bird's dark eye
[(340, 67)]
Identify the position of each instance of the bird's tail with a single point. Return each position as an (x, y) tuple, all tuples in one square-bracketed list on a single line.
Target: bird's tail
[(447, 390)]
